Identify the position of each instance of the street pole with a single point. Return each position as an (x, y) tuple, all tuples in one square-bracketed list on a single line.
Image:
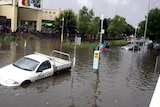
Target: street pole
[(62, 32), (145, 31), (101, 32), (135, 35), (75, 46), (135, 31), (96, 57), (135, 38)]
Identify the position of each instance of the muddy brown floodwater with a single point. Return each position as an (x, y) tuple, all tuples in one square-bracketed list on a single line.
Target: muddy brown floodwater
[(124, 78)]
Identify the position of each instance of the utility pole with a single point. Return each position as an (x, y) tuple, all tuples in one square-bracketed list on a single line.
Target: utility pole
[(75, 46), (62, 27), (101, 31), (135, 38), (145, 31)]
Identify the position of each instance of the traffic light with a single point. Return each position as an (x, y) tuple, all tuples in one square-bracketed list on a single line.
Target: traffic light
[(62, 22), (105, 25)]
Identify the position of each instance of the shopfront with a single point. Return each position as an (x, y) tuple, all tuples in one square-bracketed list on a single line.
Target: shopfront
[(22, 13)]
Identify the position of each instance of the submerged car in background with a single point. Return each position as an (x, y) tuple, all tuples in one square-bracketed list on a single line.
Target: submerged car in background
[(156, 46), (131, 47)]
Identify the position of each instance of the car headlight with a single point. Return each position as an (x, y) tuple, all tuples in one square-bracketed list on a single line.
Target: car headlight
[(11, 82)]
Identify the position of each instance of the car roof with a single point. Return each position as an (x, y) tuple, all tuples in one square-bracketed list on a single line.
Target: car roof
[(37, 57)]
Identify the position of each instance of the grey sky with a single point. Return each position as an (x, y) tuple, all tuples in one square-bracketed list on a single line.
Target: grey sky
[(133, 11)]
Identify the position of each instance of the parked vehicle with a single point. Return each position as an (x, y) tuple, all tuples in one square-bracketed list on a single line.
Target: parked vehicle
[(156, 46), (33, 67), (131, 47)]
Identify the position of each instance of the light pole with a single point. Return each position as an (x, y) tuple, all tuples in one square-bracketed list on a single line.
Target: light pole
[(101, 31), (145, 31), (135, 31), (62, 27), (135, 38), (135, 34)]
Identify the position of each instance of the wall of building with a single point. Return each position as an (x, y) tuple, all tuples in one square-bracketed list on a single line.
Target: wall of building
[(19, 14), (26, 14), (48, 14), (11, 13), (6, 11)]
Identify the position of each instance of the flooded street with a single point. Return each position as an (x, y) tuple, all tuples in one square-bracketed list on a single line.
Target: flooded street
[(124, 78)]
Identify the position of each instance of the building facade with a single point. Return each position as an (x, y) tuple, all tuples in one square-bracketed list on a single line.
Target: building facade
[(25, 14)]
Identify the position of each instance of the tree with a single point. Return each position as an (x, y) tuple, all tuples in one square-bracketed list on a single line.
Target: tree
[(141, 26), (117, 26), (70, 21), (153, 27), (93, 28), (129, 30), (85, 20)]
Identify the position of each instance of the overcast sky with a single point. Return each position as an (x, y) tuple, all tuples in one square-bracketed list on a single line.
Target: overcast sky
[(133, 11)]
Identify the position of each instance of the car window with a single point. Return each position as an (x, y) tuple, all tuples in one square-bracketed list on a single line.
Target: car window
[(45, 65)]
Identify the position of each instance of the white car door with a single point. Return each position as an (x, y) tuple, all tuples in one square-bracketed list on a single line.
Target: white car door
[(44, 70)]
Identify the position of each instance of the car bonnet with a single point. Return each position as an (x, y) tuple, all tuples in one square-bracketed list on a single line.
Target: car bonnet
[(14, 73)]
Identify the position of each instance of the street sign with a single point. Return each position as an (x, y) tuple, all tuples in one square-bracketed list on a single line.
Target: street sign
[(96, 59)]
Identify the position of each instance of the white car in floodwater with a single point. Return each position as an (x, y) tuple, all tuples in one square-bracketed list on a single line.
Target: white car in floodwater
[(31, 68), (131, 47)]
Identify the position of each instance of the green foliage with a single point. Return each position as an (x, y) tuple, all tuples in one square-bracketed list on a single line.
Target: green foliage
[(154, 24), (4, 34), (129, 30), (93, 44), (70, 21), (85, 20), (87, 24), (9, 38), (117, 42), (94, 27), (153, 27), (117, 26), (18, 38), (32, 37)]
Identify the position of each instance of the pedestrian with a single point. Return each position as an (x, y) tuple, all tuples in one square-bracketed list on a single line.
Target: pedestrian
[(107, 46), (104, 46)]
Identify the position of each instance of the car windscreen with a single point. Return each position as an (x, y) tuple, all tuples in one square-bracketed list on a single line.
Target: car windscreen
[(26, 64)]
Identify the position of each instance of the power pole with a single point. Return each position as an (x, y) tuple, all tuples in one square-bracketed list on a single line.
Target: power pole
[(62, 27), (145, 31), (101, 31)]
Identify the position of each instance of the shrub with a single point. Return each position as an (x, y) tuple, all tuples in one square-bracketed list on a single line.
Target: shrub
[(118, 42), (32, 37), (4, 34), (9, 38), (18, 38)]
